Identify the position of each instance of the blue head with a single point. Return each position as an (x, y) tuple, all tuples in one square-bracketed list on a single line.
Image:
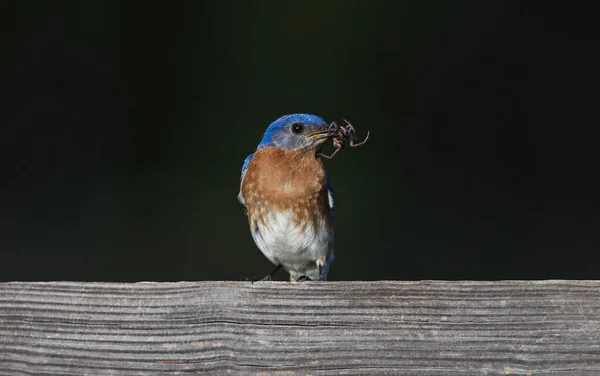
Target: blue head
[(296, 131)]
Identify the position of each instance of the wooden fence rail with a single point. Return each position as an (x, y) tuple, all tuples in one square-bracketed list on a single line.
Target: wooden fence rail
[(310, 328)]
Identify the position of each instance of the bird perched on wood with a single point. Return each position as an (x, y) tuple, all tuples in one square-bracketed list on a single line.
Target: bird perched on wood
[(288, 197)]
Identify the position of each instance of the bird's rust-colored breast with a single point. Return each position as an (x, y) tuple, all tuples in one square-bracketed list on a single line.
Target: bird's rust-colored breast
[(286, 180)]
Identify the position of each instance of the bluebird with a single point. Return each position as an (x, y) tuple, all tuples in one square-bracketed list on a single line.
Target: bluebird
[(288, 197)]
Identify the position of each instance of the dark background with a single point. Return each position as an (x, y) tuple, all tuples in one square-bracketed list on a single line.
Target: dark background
[(124, 127)]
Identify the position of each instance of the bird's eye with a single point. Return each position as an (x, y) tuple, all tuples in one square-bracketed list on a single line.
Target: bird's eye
[(297, 128)]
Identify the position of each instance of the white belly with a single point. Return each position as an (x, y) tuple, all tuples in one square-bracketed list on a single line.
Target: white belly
[(296, 247)]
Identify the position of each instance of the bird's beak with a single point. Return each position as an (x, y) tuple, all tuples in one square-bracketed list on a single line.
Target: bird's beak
[(318, 135)]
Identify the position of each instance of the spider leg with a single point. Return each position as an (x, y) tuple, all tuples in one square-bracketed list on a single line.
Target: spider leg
[(338, 147), (343, 133), (269, 276), (349, 127), (352, 144), (349, 132)]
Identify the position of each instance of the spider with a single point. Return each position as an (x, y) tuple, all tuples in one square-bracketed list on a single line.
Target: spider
[(340, 134)]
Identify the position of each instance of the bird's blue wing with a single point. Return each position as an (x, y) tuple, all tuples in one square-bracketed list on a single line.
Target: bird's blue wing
[(244, 168)]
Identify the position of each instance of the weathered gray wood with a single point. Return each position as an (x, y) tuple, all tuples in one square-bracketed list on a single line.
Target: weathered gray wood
[(316, 328)]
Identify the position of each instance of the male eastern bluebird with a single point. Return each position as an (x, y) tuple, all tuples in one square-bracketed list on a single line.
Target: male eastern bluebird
[(288, 197)]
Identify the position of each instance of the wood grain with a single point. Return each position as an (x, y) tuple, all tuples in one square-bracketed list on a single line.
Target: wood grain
[(311, 328)]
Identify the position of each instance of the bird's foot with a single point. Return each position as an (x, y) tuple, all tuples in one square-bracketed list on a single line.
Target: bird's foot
[(321, 266)]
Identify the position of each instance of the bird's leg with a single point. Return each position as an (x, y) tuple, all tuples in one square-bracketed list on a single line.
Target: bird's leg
[(321, 266), (269, 276)]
